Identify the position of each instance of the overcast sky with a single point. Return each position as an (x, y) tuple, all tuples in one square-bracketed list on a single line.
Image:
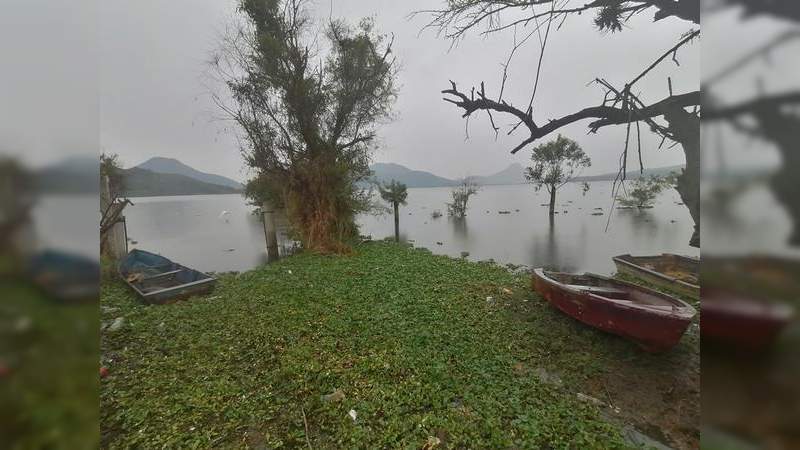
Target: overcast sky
[(147, 60)]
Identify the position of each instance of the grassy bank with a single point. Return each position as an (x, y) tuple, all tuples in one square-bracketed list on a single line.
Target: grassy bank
[(408, 338), (48, 370)]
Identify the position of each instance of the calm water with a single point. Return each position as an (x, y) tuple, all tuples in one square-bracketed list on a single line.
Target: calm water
[(575, 241), (191, 230), (195, 231)]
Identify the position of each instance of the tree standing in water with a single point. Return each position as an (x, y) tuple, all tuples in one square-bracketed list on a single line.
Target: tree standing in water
[(394, 193), (644, 191), (461, 195), (308, 119), (555, 163)]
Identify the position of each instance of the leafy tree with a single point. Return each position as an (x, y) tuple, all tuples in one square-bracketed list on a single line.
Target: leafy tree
[(461, 195), (555, 163), (308, 121), (644, 191), (111, 173), (394, 193)]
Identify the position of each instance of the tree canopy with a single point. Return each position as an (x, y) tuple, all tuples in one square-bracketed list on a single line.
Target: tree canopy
[(394, 192), (556, 162), (308, 118)]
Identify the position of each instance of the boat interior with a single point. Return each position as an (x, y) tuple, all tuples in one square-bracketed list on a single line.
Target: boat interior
[(613, 290), (151, 281), (152, 273), (675, 266)]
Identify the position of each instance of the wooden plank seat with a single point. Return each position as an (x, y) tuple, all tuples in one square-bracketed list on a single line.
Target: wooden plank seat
[(602, 291), (161, 275)]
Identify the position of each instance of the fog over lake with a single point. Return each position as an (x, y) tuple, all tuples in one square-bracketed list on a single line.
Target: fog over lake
[(192, 229)]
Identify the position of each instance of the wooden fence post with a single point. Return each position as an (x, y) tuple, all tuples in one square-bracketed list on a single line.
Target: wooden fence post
[(270, 231)]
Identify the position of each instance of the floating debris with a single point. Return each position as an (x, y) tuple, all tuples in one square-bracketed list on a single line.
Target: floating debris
[(589, 399), (548, 378), (597, 213), (431, 443), (464, 254), (116, 325), (439, 243), (504, 212), (336, 396)]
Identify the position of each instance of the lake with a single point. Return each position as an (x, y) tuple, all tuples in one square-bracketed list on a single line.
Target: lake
[(194, 231)]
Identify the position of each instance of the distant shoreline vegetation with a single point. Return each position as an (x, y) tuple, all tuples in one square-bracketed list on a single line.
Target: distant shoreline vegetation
[(161, 177), (512, 175)]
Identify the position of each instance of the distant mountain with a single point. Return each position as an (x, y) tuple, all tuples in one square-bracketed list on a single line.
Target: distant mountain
[(385, 172), (513, 174), (173, 166), (75, 175), (139, 182), (633, 174)]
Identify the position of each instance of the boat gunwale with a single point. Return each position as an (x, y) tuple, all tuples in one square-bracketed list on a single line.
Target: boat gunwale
[(619, 259), (682, 310), (208, 279)]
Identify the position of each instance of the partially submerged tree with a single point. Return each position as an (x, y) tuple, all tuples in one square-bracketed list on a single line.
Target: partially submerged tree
[(396, 194), (644, 191), (667, 117), (555, 164), (461, 195), (308, 122)]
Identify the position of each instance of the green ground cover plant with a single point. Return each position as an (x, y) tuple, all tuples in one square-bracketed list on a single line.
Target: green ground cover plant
[(425, 349)]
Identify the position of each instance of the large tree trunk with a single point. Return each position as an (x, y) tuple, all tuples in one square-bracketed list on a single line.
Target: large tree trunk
[(552, 200), (784, 131), (686, 128), (322, 215), (396, 223)]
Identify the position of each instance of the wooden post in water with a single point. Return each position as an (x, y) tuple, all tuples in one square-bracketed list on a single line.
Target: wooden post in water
[(270, 231)]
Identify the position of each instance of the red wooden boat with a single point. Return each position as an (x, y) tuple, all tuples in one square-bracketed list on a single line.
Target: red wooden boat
[(747, 301), (653, 320), (740, 320)]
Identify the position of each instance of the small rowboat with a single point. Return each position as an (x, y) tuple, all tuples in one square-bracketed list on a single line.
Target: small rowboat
[(740, 320), (653, 320), (675, 272), (65, 277), (748, 301), (158, 280)]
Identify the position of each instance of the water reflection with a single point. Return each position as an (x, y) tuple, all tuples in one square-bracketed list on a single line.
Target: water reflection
[(642, 222), (460, 230), (189, 230)]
